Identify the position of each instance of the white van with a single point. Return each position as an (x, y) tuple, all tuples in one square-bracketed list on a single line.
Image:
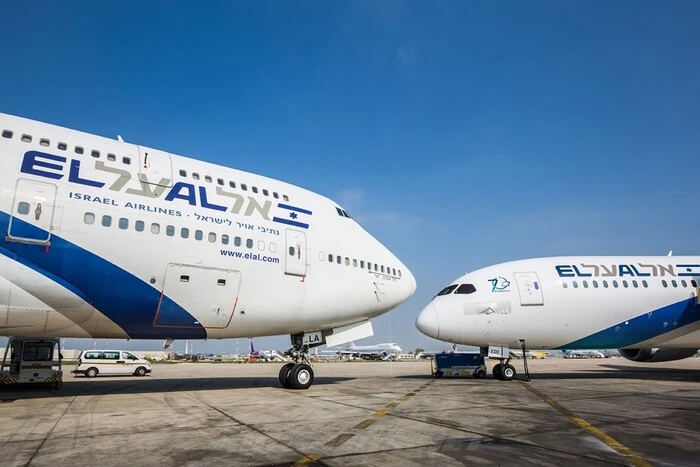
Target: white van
[(110, 362)]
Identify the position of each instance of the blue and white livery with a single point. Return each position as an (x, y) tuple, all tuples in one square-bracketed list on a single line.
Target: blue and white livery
[(100, 238), (647, 306)]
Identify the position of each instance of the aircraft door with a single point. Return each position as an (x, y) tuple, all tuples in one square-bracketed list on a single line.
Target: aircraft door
[(197, 296), (530, 288), (33, 207), (295, 264), (155, 167)]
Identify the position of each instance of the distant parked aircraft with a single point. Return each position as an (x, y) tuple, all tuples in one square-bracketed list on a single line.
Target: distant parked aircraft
[(371, 352), (266, 355), (583, 354)]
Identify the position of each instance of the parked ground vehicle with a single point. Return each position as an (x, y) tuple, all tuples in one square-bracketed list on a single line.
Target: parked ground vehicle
[(110, 362), (32, 360), (459, 364)]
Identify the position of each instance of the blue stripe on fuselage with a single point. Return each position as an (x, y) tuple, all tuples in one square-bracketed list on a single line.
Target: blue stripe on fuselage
[(642, 328), (124, 298)]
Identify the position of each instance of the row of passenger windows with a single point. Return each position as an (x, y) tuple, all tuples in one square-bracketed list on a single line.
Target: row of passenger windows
[(231, 184), (8, 134), (25, 138), (361, 264), (469, 288), (625, 284), (171, 231)]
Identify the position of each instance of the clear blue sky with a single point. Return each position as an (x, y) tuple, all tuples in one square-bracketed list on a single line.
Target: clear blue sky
[(460, 134)]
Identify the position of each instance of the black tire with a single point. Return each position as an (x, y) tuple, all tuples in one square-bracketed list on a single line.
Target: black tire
[(301, 376), (497, 371), (439, 373), (508, 373), (140, 371), (91, 372), (284, 375), (480, 374)]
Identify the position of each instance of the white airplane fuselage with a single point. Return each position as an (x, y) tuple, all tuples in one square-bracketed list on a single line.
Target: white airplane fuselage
[(105, 239), (600, 302)]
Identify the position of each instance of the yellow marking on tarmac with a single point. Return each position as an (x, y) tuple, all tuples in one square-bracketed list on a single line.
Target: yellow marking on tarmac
[(308, 459), (633, 458), (344, 437), (340, 439), (363, 424)]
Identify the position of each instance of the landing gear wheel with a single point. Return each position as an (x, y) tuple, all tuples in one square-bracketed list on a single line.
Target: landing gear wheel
[(439, 373), (140, 371), (301, 376), (497, 368), (284, 375), (508, 373)]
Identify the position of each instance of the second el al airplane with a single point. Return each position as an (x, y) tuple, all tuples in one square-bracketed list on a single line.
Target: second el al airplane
[(646, 306)]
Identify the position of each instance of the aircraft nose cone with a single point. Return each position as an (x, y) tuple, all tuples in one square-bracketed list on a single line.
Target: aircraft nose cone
[(411, 283), (427, 321)]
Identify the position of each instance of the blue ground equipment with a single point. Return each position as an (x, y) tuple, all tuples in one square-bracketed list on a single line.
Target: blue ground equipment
[(459, 364)]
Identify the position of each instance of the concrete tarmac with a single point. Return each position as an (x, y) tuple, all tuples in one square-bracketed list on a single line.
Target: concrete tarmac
[(574, 412)]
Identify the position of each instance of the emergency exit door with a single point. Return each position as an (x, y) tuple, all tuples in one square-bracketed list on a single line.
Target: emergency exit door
[(529, 288), (32, 214), (295, 263), (155, 167)]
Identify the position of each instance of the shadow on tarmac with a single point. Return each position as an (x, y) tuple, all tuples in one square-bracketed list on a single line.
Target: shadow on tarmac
[(613, 372), (145, 385)]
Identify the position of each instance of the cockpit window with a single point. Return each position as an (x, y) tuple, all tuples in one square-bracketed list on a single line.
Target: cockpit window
[(466, 289), (448, 290), (342, 213)]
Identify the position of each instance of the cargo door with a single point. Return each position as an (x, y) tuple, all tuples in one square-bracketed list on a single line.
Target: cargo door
[(155, 167), (32, 215), (196, 296), (529, 288), (295, 264)]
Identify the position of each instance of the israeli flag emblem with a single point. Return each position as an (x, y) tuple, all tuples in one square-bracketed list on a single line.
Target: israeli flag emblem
[(292, 215), (688, 269)]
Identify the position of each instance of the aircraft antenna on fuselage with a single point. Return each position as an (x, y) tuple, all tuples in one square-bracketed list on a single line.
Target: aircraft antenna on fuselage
[(119, 137), (670, 253)]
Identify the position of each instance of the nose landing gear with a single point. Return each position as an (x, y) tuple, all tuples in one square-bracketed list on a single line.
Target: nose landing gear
[(298, 375), (504, 370)]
